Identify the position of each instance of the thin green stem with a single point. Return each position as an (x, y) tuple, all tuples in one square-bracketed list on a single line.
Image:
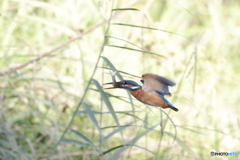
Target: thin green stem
[(85, 91)]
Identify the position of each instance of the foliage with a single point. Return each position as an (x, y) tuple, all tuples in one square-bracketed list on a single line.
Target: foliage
[(55, 56)]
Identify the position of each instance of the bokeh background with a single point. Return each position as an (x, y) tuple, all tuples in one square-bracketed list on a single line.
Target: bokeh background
[(55, 56)]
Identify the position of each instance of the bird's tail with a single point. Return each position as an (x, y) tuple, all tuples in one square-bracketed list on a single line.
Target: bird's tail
[(169, 105)]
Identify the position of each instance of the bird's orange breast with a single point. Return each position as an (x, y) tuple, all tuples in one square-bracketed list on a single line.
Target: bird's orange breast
[(150, 98)]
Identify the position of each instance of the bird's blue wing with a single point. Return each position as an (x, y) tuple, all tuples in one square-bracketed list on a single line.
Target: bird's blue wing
[(164, 92), (164, 81), (153, 82)]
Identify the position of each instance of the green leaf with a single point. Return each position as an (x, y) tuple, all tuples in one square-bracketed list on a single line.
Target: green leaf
[(192, 130), (112, 67), (120, 146), (132, 49), (106, 101), (130, 143), (124, 9), (121, 128), (72, 142), (131, 25), (120, 77), (93, 119), (182, 144), (85, 139)]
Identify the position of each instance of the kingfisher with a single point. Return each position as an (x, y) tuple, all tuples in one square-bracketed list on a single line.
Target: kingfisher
[(152, 92)]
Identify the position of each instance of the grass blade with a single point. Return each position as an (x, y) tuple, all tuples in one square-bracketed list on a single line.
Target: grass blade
[(120, 77), (182, 144), (112, 67), (132, 49), (125, 9), (120, 146), (192, 130), (121, 128), (94, 120), (131, 25), (130, 143), (106, 101), (72, 142), (85, 139)]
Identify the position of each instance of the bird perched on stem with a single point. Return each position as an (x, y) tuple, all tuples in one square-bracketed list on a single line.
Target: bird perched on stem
[(152, 92)]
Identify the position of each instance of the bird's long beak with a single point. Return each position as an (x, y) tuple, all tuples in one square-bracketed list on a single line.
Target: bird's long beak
[(115, 85), (114, 82)]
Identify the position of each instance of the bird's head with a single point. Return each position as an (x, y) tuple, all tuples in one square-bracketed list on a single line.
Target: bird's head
[(125, 84)]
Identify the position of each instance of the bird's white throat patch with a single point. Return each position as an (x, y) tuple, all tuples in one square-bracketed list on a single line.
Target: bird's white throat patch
[(136, 87)]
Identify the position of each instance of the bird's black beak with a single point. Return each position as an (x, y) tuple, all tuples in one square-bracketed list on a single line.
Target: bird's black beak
[(114, 82), (115, 85)]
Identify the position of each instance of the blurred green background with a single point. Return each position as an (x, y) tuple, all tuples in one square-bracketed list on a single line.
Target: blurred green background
[(55, 56)]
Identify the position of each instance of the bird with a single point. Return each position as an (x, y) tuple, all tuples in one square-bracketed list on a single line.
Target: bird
[(152, 91)]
